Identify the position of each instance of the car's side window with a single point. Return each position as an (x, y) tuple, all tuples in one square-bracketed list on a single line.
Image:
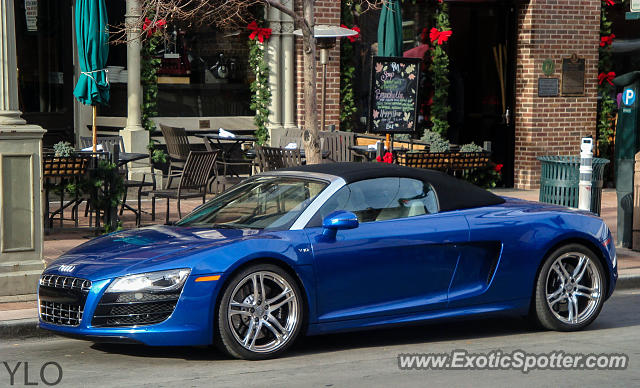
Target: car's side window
[(381, 199)]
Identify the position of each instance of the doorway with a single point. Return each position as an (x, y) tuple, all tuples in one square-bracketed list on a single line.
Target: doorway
[(482, 76)]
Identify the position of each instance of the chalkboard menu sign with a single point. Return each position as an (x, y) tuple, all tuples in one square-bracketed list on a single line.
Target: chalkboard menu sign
[(394, 94)]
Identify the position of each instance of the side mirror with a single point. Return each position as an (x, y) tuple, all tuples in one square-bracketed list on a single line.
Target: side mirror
[(339, 220)]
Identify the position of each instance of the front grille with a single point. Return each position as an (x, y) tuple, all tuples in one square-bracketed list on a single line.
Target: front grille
[(61, 313), (68, 282), (62, 299), (134, 308)]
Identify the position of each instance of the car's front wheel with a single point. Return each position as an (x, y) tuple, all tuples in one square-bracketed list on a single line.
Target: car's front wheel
[(570, 289), (260, 313)]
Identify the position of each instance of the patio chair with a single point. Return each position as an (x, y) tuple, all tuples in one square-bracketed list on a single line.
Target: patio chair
[(338, 144), (230, 164), (225, 175), (193, 179), (58, 172), (178, 149), (270, 158), (290, 135), (107, 142)]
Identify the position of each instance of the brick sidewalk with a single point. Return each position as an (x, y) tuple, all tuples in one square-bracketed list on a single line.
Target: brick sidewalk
[(59, 242)]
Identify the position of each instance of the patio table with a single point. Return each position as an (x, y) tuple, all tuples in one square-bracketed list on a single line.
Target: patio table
[(72, 169), (370, 153), (128, 157), (213, 141)]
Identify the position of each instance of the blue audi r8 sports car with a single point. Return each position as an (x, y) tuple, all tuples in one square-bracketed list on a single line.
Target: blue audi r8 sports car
[(327, 248)]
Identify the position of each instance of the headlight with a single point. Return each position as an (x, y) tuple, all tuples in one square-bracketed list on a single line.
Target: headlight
[(151, 281)]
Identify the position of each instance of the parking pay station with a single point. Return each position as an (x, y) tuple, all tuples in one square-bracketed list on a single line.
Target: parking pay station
[(627, 145)]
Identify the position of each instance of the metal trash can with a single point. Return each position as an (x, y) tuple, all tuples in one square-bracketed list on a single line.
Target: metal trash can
[(560, 178)]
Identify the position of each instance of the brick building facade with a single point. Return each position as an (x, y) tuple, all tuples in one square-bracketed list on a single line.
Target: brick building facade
[(553, 29), (546, 29)]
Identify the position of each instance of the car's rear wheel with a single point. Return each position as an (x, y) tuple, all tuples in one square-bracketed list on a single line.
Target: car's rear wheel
[(570, 289), (260, 313)]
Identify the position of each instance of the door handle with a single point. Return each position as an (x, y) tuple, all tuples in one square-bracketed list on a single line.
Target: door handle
[(507, 116)]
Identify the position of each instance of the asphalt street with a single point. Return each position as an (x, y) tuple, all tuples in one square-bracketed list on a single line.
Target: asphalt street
[(362, 359)]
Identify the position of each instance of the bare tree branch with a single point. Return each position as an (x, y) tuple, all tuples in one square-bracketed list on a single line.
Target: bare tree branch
[(226, 14)]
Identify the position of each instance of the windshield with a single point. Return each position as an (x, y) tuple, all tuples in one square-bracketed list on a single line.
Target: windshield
[(267, 202)]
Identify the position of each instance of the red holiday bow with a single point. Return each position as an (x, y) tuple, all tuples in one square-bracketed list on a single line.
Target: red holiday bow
[(439, 36), (610, 2), (258, 32), (355, 37), (387, 158), (607, 40), (147, 26), (606, 77)]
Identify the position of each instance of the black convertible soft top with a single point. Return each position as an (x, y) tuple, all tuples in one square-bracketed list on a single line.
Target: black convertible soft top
[(452, 193)]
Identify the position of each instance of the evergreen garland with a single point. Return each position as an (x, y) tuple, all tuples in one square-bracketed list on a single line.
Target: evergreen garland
[(149, 65), (607, 111), (440, 74), (260, 92), (347, 71)]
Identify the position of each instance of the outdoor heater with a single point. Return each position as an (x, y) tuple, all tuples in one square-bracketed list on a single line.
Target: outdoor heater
[(326, 39)]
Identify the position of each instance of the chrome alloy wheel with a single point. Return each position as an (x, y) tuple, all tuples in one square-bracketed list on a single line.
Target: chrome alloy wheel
[(263, 312), (573, 288)]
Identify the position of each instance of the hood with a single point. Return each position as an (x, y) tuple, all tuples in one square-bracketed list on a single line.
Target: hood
[(114, 254)]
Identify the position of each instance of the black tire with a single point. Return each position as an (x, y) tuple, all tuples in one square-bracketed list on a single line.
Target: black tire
[(229, 342), (546, 315)]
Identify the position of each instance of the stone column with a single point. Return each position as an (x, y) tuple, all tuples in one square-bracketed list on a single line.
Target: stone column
[(136, 138), (288, 69), (21, 225), (9, 111), (273, 60)]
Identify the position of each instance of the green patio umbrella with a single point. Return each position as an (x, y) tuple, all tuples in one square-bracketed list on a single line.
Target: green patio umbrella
[(390, 29), (92, 36)]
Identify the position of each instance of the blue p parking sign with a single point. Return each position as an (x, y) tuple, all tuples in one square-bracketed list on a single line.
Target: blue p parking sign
[(628, 97)]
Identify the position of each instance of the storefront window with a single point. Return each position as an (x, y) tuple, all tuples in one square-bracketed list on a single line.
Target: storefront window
[(45, 64), (203, 72)]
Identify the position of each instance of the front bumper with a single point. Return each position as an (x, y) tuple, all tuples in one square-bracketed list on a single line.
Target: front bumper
[(191, 323)]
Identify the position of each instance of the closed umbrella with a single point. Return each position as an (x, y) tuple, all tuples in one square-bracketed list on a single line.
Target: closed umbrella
[(390, 30), (92, 37)]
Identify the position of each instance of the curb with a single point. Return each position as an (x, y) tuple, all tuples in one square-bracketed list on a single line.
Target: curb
[(626, 282), (22, 329), (28, 327)]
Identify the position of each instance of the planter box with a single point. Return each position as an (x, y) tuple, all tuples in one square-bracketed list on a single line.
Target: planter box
[(444, 161)]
